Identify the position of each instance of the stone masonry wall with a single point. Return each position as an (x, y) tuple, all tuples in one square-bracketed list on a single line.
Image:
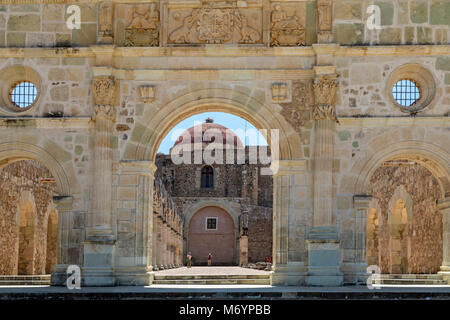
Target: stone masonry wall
[(14, 179), (425, 229)]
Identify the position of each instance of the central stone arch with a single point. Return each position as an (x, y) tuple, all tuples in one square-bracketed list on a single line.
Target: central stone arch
[(155, 125)]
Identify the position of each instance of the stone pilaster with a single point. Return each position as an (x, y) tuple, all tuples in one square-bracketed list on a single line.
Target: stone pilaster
[(64, 207), (323, 237), (288, 209), (356, 272), (99, 245), (444, 207), (324, 21), (134, 263)]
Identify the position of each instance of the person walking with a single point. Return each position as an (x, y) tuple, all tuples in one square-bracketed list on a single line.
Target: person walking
[(189, 259), (209, 258)]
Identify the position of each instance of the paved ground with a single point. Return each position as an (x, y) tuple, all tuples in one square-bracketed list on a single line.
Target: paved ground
[(212, 271)]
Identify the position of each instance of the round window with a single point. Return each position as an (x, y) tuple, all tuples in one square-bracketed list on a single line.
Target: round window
[(23, 94), (411, 88), (406, 92)]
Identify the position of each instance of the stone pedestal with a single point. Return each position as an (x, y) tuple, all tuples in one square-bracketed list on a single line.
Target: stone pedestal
[(289, 274), (98, 270), (243, 250), (323, 257)]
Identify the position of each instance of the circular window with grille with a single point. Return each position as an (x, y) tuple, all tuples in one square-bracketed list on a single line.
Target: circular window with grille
[(411, 88), (406, 92), (23, 94), (20, 90)]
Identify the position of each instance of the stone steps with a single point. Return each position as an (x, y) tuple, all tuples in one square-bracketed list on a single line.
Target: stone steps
[(411, 279), (212, 279), (25, 280)]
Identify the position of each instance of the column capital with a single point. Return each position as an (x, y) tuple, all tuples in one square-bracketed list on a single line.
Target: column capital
[(141, 167)]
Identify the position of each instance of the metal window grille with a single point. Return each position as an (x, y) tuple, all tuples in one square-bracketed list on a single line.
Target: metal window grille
[(406, 92), (211, 223), (23, 94)]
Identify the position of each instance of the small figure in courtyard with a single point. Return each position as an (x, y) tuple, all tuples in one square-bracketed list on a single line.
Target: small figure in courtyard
[(209, 258), (189, 260)]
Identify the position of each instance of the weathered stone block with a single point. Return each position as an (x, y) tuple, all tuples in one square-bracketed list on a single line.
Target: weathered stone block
[(28, 22), (443, 63), (85, 36), (391, 36), (440, 12), (409, 35), (348, 10), (424, 35), (419, 11), (60, 93), (349, 33), (387, 12), (15, 39)]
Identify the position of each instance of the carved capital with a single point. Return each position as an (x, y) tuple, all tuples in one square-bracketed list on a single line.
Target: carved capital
[(103, 89), (324, 93)]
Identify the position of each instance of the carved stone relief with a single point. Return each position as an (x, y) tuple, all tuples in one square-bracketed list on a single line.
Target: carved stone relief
[(324, 93), (103, 89), (324, 18), (287, 25), (142, 25), (147, 94), (213, 25), (298, 112), (105, 20)]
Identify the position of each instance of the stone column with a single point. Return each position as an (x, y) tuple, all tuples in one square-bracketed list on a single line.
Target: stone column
[(288, 213), (64, 207), (323, 237), (160, 249), (444, 207), (134, 252), (99, 246)]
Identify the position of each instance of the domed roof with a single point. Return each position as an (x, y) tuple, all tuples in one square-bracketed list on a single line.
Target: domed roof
[(211, 129)]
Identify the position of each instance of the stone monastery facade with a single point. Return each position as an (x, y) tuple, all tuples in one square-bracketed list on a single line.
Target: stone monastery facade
[(360, 177)]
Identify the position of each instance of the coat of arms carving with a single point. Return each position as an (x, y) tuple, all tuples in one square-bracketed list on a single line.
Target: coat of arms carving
[(213, 26)]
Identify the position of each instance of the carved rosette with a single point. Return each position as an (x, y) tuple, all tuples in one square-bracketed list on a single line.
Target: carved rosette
[(324, 93), (103, 89)]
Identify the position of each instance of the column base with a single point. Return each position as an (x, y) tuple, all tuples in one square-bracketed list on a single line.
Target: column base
[(98, 264), (355, 273), (445, 273), (290, 274), (323, 258), (97, 277), (59, 276), (132, 276)]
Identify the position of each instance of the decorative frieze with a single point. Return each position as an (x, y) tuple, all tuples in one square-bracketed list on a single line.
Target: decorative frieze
[(297, 112), (215, 25), (106, 22), (287, 25)]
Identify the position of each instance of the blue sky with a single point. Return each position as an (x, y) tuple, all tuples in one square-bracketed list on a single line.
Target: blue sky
[(225, 119)]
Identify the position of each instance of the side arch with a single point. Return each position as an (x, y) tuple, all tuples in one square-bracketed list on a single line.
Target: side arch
[(56, 159), (432, 157)]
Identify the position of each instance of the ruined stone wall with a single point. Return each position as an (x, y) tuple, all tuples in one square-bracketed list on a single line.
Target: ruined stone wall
[(425, 229), (16, 178), (259, 233)]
